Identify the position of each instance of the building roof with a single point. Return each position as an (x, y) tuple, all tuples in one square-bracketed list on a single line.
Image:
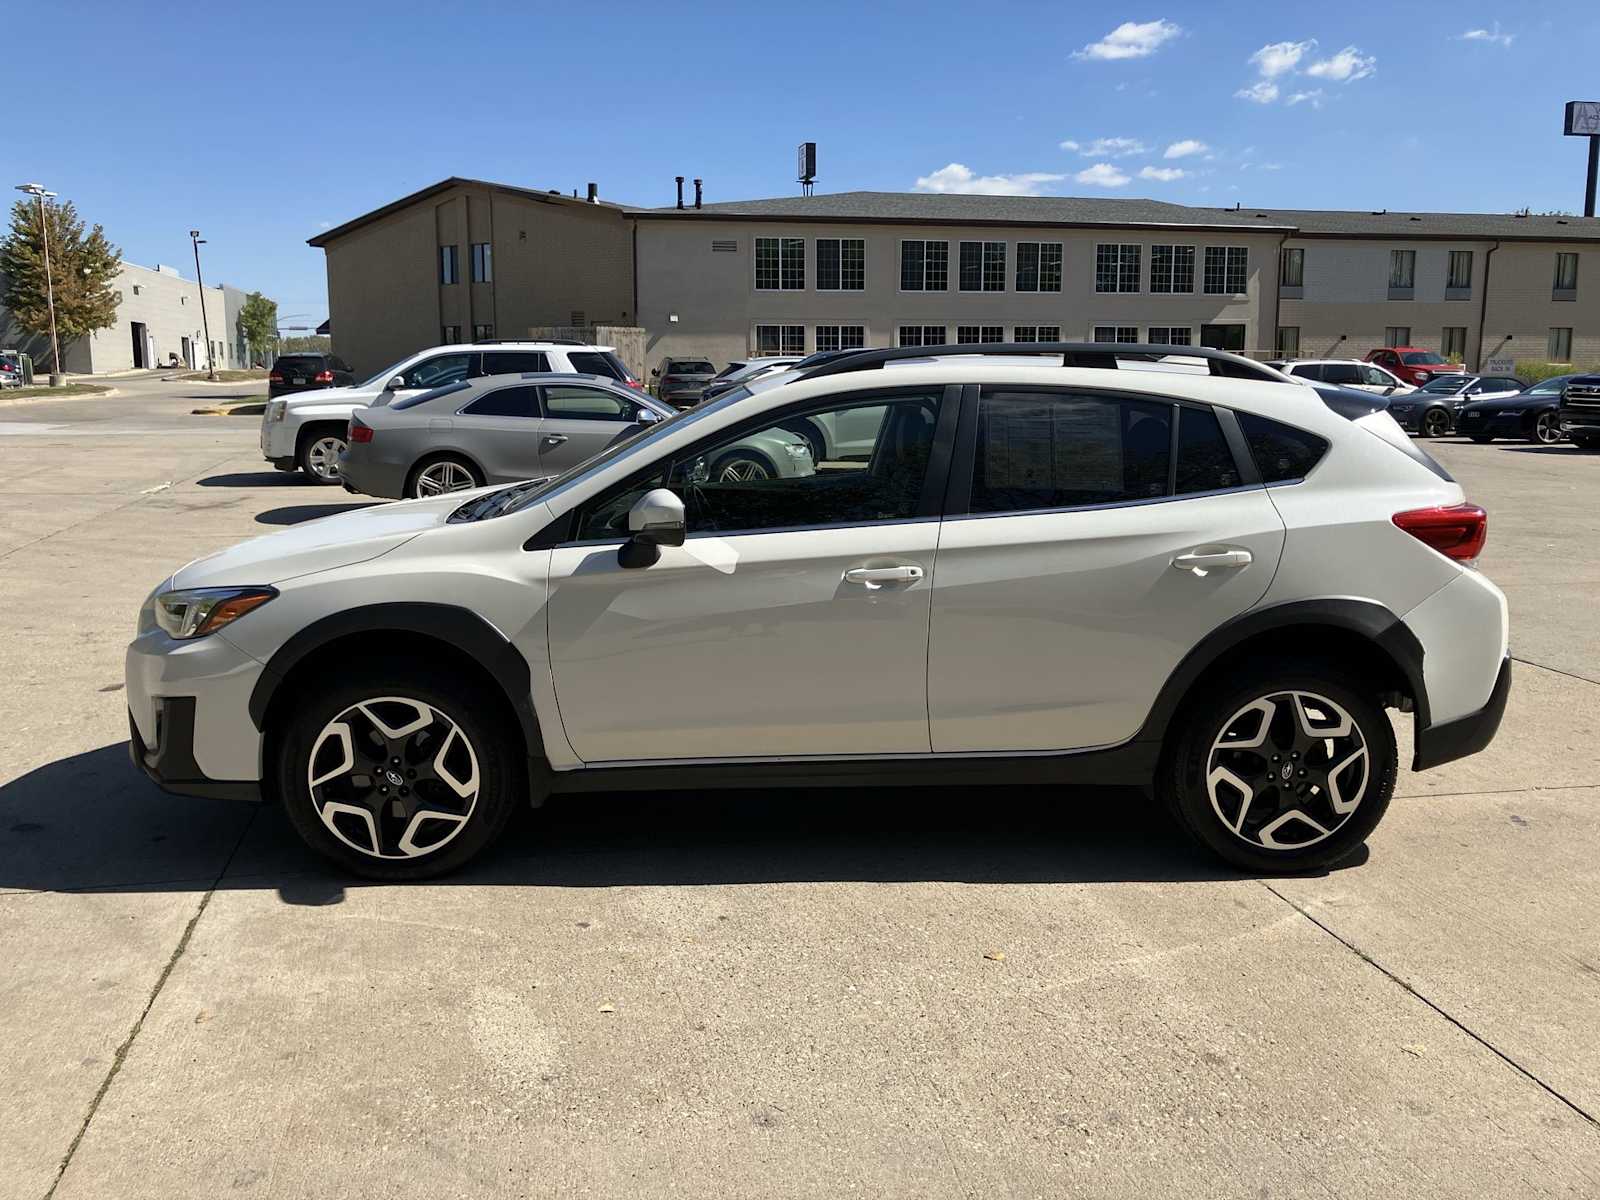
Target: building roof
[(1131, 212), (545, 197)]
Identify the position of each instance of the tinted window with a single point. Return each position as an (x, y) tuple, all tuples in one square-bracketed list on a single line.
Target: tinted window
[(1341, 373), (692, 366), (299, 362), (585, 403), (515, 362), (1422, 358), (597, 362), (1054, 450), (1501, 385), (1281, 451), (439, 370), (1308, 370), (506, 402), (1204, 461)]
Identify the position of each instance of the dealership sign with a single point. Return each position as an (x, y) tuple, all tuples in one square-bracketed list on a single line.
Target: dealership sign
[(1583, 118)]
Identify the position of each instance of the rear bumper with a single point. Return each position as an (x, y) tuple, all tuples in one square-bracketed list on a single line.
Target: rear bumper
[(1446, 742), (170, 763), (361, 474)]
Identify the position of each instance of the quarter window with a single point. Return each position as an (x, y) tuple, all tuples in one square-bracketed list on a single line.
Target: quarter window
[(1227, 270), (505, 402), (972, 335), (983, 266), (924, 266), (604, 363), (1116, 268), (1292, 268), (922, 335), (1282, 452), (780, 264), (841, 337), (1171, 269), (780, 339), (1038, 266), (841, 264)]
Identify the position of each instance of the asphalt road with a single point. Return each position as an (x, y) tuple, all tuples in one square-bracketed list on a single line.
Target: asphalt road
[(814, 995)]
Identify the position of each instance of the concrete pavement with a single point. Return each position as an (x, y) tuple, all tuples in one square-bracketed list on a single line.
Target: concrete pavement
[(833, 993)]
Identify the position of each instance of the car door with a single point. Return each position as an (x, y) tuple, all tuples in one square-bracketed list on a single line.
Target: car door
[(580, 420), (499, 430), (792, 621), (1084, 560)]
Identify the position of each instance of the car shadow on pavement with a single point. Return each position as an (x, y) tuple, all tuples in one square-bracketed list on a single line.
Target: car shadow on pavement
[(1575, 451), (92, 822), (295, 514), (258, 479)]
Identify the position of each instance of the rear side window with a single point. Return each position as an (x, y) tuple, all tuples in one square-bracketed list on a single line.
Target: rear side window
[(597, 362), (584, 403), (1341, 373), (515, 362), (1281, 451), (506, 402), (1205, 463), (1308, 371), (1041, 450)]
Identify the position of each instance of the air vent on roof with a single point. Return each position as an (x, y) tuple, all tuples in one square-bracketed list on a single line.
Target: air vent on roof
[(1559, 221), (1380, 212), (724, 245), (1416, 218)]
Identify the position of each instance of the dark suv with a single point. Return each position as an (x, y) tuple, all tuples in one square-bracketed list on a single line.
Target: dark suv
[(681, 382), (306, 373), (1580, 411)]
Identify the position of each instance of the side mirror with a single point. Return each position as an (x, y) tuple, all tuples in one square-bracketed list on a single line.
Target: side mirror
[(395, 384), (655, 520), (647, 416), (655, 372)]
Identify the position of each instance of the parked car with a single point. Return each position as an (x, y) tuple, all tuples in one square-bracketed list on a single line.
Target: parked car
[(680, 381), (1434, 409), (308, 432), (13, 373), (508, 428), (1414, 365), (1366, 377), (1580, 411), (1533, 414), (307, 372), (1211, 586), (737, 374)]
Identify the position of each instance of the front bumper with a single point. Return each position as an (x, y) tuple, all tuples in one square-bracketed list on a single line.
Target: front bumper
[(1450, 740), (170, 761), (189, 713), (277, 438)]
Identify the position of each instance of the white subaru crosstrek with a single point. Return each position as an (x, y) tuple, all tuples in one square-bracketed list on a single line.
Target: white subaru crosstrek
[(307, 431), (1199, 578)]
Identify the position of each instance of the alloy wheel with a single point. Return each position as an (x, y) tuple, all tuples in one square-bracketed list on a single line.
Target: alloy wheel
[(1435, 423), (445, 476), (741, 470), (1547, 429), (393, 778), (322, 456), (1287, 770)]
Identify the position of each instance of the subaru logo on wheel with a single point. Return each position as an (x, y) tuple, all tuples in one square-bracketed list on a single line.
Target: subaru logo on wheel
[(1284, 772), (395, 778)]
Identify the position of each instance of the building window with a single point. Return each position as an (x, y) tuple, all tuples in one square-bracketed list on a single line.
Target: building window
[(1169, 335), (1397, 335), (1116, 333), (841, 264), (482, 262), (780, 264), (1454, 343), (449, 335), (1292, 268), (922, 335), (1402, 269), (983, 266), (1227, 270), (1459, 276), (924, 266), (1561, 344), (1036, 333), (780, 339), (1038, 266), (482, 333), (841, 337), (1171, 269), (449, 268), (973, 335), (1288, 341), (1116, 268), (1566, 276)]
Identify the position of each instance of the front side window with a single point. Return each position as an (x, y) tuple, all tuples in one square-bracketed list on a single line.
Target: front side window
[(1402, 268), (573, 403), (505, 402), (1282, 452), (841, 337), (1561, 344), (1227, 270), (449, 267), (1292, 268), (1170, 335), (1566, 273), (924, 266), (1171, 269), (1460, 272), (780, 339), (1116, 333), (973, 335), (922, 335), (1116, 268), (514, 362), (983, 266), (482, 262), (841, 264), (439, 370), (765, 480), (780, 264), (1038, 266)]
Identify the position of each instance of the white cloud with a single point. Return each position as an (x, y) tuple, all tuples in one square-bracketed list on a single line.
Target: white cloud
[(1113, 147), (325, 224), (1130, 40), (1492, 36), (1163, 174), (1263, 92), (1347, 66), (1312, 97), (1185, 148), (1272, 166), (958, 178), (1102, 175), (1278, 58)]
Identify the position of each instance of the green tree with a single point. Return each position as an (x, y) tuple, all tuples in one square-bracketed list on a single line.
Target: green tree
[(258, 321), (82, 269)]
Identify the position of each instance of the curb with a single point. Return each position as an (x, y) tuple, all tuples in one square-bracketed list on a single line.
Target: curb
[(247, 408), (18, 401)]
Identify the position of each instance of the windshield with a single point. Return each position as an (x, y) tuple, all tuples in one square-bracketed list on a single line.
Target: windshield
[(1422, 358), (1550, 386), (1446, 384)]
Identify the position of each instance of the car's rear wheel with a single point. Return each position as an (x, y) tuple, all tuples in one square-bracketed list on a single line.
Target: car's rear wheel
[(1435, 423), (319, 454), (1547, 428), (445, 473), (1287, 768), (397, 773)]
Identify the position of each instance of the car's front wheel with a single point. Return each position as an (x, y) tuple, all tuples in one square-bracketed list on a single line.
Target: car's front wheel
[(1283, 769), (397, 773), (1547, 428)]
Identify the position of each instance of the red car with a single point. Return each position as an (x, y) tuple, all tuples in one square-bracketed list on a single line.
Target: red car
[(1415, 366)]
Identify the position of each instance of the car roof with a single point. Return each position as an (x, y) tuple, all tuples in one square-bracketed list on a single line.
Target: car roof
[(568, 377), (531, 344)]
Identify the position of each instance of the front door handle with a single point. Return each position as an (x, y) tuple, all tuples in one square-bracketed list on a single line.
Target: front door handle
[(1202, 561), (876, 577), (554, 439)]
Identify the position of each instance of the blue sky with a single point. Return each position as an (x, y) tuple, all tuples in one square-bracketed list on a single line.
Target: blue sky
[(262, 126)]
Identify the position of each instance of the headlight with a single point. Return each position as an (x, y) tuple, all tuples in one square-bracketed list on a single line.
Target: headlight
[(798, 450), (195, 612), (276, 410)]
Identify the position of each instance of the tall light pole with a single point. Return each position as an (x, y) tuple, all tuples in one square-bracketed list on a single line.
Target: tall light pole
[(37, 189), (200, 282)]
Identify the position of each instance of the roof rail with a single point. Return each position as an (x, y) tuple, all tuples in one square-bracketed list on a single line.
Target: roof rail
[(1073, 354), (500, 341)]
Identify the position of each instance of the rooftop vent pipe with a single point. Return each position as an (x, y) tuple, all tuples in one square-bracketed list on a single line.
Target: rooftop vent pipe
[(679, 178), (697, 193)]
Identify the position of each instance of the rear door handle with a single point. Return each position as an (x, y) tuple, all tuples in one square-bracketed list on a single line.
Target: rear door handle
[(554, 439), (1201, 561), (876, 577)]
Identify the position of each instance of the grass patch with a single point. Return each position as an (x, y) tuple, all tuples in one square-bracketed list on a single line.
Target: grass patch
[(225, 376), (66, 389)]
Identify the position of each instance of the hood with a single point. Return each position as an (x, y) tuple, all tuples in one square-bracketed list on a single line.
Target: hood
[(334, 395), (337, 541)]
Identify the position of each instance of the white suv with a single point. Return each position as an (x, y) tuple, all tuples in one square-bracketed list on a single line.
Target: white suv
[(1048, 570), (1363, 376), (307, 431)]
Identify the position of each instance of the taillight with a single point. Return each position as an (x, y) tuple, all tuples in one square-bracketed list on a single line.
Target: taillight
[(324, 377), (361, 434), (1456, 531), (275, 377), (634, 383)]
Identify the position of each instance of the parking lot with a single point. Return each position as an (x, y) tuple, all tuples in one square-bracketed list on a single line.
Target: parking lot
[(827, 993)]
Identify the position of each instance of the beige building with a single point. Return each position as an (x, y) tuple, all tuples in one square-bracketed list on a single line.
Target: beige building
[(465, 261)]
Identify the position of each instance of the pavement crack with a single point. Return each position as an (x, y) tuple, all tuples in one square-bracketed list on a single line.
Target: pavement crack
[(1528, 662), (161, 981), (1589, 1117)]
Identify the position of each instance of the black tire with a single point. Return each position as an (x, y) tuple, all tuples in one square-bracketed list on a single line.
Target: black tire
[(1482, 439), (311, 452), (1201, 724), (748, 458), (1547, 428), (481, 721), (1434, 422), (413, 480)]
